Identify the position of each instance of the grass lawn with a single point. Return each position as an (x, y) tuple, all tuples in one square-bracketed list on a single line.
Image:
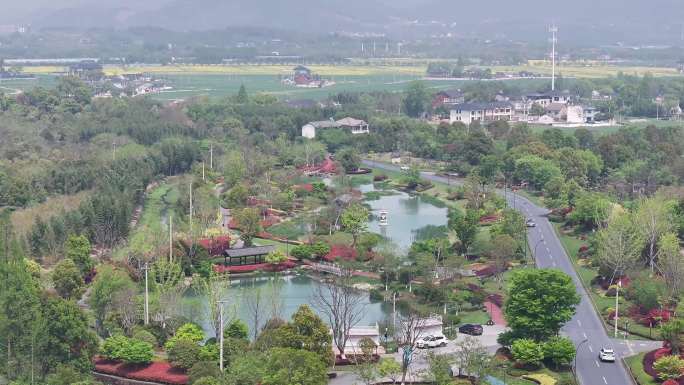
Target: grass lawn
[(636, 366), (474, 317)]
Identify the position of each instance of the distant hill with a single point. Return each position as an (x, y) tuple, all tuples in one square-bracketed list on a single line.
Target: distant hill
[(601, 21)]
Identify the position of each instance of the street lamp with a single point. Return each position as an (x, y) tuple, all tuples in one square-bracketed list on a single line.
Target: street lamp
[(574, 364)]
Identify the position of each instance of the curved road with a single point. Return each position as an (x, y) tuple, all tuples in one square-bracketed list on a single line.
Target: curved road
[(585, 325)]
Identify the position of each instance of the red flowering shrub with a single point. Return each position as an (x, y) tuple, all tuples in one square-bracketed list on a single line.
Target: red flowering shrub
[(655, 317), (215, 246), (342, 252), (256, 267), (671, 382), (156, 371)]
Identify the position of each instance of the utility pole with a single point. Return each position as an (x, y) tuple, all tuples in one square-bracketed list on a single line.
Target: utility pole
[(617, 295), (203, 179), (553, 31), (211, 155), (191, 208), (147, 297), (394, 310), (220, 303), (170, 237)]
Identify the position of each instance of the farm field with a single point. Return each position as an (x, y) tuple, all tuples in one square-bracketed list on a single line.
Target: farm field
[(586, 71)]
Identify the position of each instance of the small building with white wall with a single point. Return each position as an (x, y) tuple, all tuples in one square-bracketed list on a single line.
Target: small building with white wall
[(467, 113), (355, 126), (356, 335), (309, 129)]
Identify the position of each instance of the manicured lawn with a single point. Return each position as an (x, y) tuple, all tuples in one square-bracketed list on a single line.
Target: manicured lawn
[(636, 366), (474, 317)]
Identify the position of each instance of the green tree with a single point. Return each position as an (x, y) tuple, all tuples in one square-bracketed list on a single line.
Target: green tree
[(184, 353), (286, 366), (186, 332), (276, 257), (389, 368), (68, 337), (527, 352), (242, 97), (107, 284), (126, 349), (540, 302), (560, 351), (77, 248), (669, 367), (439, 367), (354, 220), (67, 279), (68, 375), (673, 333), (206, 381), (349, 158), (465, 226), (236, 329), (536, 170), (591, 209), (236, 197), (416, 99), (249, 222), (203, 369)]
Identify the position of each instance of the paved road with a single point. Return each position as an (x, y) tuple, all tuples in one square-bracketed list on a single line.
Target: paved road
[(586, 324)]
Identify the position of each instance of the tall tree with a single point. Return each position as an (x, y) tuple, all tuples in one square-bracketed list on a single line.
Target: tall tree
[(354, 219), (416, 99), (618, 246), (654, 220), (540, 301), (671, 264), (341, 305)]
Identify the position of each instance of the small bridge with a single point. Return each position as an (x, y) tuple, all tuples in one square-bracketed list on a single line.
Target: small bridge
[(330, 268)]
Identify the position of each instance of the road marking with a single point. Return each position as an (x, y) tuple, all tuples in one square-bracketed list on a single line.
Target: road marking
[(597, 364), (604, 381), (585, 335), (579, 322), (547, 250), (553, 263), (591, 349)]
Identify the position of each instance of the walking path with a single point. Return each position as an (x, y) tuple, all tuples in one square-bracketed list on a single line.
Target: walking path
[(495, 313)]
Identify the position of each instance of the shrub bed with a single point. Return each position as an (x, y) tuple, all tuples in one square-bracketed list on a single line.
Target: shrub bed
[(257, 267), (156, 371)]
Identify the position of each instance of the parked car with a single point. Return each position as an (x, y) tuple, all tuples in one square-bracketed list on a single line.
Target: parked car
[(405, 168), (432, 342), (471, 329), (530, 223), (607, 355)]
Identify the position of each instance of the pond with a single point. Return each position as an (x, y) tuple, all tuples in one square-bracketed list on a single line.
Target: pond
[(407, 214), (293, 290)]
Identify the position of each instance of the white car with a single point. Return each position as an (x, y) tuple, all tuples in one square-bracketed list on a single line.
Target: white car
[(607, 355), (530, 223), (405, 168), (432, 342)]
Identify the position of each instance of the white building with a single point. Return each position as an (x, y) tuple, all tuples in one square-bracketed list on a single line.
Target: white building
[(483, 112), (356, 126), (356, 335), (546, 98), (431, 326), (309, 129)]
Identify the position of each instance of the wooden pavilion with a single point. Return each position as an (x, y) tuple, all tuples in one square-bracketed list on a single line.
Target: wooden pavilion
[(246, 255)]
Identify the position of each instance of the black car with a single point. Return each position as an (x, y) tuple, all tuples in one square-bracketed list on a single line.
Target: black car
[(472, 329)]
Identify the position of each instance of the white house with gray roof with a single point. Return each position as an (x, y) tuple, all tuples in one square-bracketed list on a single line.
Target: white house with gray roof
[(467, 113)]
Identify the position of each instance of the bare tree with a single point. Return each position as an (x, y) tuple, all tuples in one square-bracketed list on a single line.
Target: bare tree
[(276, 303), (342, 305), (255, 306), (214, 288), (167, 281), (127, 308), (472, 358), (409, 331)]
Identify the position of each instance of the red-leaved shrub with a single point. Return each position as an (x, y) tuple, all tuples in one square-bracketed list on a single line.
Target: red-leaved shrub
[(156, 371), (346, 253)]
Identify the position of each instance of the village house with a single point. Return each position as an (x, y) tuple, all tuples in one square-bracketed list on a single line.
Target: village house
[(430, 326), (356, 126), (484, 112), (448, 98), (546, 98)]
